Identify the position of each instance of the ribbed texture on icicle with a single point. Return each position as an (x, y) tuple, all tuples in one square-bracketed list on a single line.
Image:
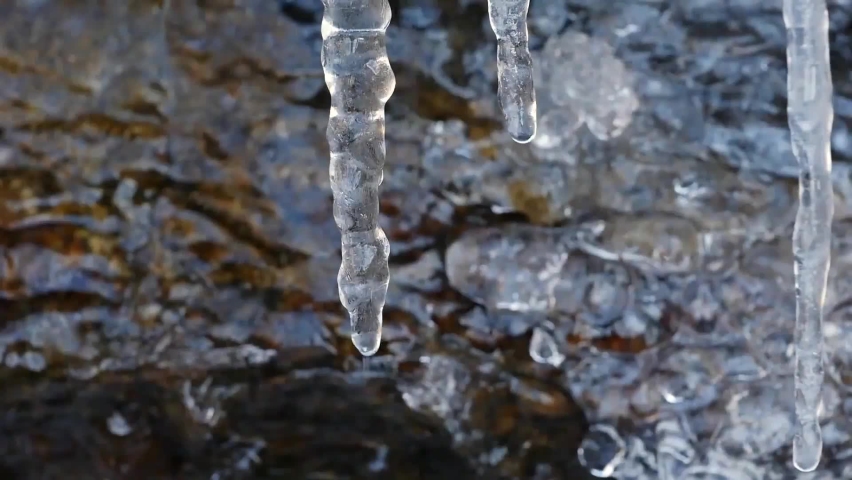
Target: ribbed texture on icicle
[(514, 67), (360, 80), (810, 116)]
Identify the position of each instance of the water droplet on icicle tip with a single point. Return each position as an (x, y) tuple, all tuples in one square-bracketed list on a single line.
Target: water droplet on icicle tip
[(807, 448), (523, 129), (367, 343)]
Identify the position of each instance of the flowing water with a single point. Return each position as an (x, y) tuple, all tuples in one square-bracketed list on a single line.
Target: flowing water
[(615, 298)]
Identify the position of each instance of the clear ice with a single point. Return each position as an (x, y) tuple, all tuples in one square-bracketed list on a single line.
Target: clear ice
[(810, 114), (514, 67), (360, 80), (583, 74)]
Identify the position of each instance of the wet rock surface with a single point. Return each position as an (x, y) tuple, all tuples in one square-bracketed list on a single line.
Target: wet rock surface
[(614, 299)]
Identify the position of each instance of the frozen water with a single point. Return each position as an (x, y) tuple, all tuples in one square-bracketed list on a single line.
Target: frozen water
[(602, 451), (689, 218), (582, 73), (543, 348), (556, 128), (514, 67), (477, 262), (360, 80), (810, 115), (367, 343), (118, 425), (674, 448)]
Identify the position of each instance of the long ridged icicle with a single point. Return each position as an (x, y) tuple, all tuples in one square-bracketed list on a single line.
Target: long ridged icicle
[(360, 80), (810, 114), (514, 67)]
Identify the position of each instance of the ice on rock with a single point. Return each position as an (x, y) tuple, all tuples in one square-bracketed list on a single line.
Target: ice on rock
[(557, 127), (537, 270), (548, 18), (663, 244), (602, 451), (515, 269), (810, 116), (543, 348), (601, 381), (771, 345), (674, 449), (118, 425), (760, 419), (442, 389), (687, 380), (514, 67), (583, 74), (838, 334), (360, 80), (719, 466)]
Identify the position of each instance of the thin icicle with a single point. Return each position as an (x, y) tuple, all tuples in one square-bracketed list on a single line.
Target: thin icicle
[(514, 67), (810, 116), (360, 80)]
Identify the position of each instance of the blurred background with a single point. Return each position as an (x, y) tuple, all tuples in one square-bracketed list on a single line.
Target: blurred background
[(613, 300)]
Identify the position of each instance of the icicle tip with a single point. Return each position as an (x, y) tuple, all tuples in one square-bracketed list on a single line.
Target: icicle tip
[(367, 343)]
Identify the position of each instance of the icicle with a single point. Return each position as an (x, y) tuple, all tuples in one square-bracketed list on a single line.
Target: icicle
[(810, 116), (360, 80), (514, 67)]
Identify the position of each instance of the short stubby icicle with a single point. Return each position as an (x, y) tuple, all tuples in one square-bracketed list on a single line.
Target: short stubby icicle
[(514, 67), (810, 114), (360, 80)]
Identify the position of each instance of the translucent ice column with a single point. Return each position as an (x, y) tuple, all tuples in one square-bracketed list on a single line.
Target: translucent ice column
[(360, 80), (514, 67), (810, 116)]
